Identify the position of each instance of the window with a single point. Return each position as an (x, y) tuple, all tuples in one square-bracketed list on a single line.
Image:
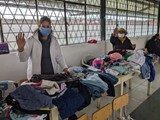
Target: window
[(155, 18), (110, 17), (17, 17), (93, 23), (138, 17), (21, 16), (77, 21)]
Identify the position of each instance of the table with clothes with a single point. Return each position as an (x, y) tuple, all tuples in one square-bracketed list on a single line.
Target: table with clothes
[(126, 65), (35, 99)]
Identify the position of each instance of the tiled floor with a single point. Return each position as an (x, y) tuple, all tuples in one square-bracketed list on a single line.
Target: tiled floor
[(137, 94)]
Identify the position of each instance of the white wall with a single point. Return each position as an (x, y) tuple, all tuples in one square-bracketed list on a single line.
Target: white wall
[(12, 69)]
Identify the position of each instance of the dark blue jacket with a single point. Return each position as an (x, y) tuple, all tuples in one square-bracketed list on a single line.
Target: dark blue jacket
[(68, 103), (31, 98), (152, 47), (153, 72), (117, 44)]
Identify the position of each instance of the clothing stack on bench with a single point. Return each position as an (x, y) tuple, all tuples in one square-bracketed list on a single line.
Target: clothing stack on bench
[(121, 62)]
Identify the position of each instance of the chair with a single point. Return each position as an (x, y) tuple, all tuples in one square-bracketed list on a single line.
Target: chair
[(54, 114), (103, 113), (119, 103), (21, 81), (85, 59), (7, 86), (83, 117)]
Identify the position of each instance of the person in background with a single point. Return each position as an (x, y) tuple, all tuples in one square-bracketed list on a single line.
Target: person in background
[(153, 45), (120, 41), (41, 50)]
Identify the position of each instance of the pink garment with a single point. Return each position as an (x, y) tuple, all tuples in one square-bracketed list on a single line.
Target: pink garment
[(115, 56), (63, 87), (97, 63)]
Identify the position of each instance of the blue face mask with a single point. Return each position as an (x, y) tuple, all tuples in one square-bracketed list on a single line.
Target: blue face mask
[(45, 31), (121, 35)]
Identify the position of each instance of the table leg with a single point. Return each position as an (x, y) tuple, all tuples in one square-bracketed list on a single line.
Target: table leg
[(149, 88), (121, 93), (98, 102), (130, 83), (121, 89), (54, 114)]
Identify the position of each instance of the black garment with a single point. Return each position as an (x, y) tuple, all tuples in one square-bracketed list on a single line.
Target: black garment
[(55, 77), (68, 103), (73, 117), (59, 78), (110, 91), (46, 63), (152, 47), (122, 52), (117, 44), (82, 89), (89, 62)]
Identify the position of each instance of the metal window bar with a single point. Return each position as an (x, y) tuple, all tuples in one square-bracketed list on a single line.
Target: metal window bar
[(65, 17), (158, 19), (1, 31), (116, 13), (36, 4), (103, 20), (148, 19), (127, 15), (142, 18), (135, 18), (85, 8), (153, 19)]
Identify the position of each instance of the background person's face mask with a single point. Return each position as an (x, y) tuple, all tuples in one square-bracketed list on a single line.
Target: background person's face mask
[(45, 31), (121, 35)]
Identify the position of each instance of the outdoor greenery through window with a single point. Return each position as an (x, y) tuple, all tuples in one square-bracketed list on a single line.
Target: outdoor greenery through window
[(77, 21)]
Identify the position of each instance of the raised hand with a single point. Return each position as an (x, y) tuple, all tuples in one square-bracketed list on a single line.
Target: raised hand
[(115, 32), (20, 41)]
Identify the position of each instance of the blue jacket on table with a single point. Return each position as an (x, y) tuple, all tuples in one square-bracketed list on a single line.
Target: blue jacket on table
[(117, 44)]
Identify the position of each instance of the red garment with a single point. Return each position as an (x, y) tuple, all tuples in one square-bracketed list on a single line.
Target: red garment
[(92, 41)]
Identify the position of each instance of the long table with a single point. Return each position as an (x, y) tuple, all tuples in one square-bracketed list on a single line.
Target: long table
[(120, 83), (54, 115)]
